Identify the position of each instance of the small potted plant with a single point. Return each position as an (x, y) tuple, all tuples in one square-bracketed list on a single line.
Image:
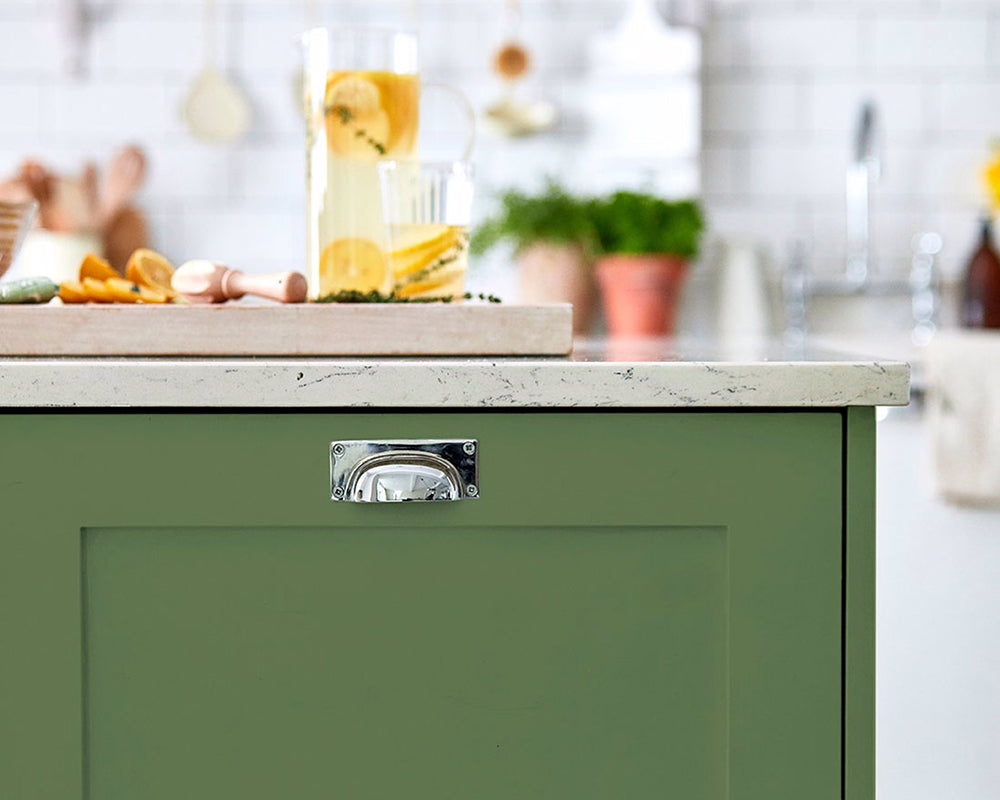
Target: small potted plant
[(644, 244), (552, 237)]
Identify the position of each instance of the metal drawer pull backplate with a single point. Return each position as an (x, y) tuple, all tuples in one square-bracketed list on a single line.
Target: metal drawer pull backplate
[(404, 470)]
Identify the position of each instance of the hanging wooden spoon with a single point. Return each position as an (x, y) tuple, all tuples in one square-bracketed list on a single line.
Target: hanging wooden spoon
[(215, 110), (123, 179), (511, 63)]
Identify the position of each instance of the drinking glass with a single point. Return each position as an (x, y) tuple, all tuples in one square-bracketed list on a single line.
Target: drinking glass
[(426, 207)]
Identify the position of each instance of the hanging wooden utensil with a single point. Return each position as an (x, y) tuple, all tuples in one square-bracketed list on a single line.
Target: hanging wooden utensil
[(215, 110)]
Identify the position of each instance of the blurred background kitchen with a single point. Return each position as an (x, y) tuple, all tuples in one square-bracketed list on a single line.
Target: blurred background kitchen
[(755, 106)]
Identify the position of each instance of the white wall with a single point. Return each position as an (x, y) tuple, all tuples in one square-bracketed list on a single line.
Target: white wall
[(782, 83)]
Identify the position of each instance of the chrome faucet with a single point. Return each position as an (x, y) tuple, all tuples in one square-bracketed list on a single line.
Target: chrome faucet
[(863, 172), (860, 274)]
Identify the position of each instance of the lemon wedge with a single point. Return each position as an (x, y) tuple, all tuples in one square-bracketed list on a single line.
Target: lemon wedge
[(93, 266), (148, 268)]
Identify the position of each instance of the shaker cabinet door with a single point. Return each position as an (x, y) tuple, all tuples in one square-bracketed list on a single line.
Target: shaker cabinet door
[(638, 605)]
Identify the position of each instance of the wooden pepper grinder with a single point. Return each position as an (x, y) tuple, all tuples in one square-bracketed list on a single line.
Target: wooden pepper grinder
[(981, 295)]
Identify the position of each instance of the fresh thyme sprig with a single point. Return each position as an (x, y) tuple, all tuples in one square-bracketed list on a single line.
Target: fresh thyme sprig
[(346, 118), (375, 296), (430, 269)]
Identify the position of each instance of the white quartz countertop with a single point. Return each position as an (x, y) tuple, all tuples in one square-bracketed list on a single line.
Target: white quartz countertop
[(639, 374)]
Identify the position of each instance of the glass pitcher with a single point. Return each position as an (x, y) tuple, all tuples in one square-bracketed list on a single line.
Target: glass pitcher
[(362, 96)]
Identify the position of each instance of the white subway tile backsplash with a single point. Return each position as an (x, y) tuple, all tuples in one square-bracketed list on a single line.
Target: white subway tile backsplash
[(750, 106), (951, 175), (28, 47), (273, 173), (132, 44), (247, 234), (795, 170), (103, 112), (722, 173), (971, 106), (22, 118), (190, 171), (929, 43), (801, 40)]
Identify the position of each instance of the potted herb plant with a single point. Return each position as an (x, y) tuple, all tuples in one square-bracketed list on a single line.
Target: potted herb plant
[(553, 238), (644, 244)]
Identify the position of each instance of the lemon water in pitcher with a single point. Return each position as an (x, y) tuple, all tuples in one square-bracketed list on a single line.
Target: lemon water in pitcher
[(362, 99)]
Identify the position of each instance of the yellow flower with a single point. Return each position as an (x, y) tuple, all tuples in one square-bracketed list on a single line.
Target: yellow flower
[(991, 179)]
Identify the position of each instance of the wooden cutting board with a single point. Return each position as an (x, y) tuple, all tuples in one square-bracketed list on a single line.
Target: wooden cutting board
[(236, 329)]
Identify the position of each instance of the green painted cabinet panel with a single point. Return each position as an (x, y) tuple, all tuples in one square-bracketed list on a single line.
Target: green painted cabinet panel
[(640, 605)]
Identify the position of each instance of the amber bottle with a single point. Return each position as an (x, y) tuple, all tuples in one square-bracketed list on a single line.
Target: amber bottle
[(981, 296)]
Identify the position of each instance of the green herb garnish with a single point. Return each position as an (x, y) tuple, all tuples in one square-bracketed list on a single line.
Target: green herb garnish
[(375, 296), (346, 117)]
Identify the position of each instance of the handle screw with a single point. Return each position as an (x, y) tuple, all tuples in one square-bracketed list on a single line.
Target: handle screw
[(469, 448), (472, 490), (338, 492), (338, 450)]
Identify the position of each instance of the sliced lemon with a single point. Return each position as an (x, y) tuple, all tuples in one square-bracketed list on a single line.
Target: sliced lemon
[(93, 266), (408, 260), (354, 93), (357, 124), (352, 263), (439, 284), (96, 291), (148, 268), (123, 291), (72, 292), (147, 295), (362, 138)]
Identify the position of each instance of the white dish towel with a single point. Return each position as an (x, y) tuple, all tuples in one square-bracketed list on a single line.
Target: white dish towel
[(963, 408)]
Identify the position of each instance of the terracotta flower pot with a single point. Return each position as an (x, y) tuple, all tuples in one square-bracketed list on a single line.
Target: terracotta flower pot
[(558, 273), (640, 293)]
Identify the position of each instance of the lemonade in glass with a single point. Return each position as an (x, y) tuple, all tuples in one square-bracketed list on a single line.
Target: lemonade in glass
[(426, 207)]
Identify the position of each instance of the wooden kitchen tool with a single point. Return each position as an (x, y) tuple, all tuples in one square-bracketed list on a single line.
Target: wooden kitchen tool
[(202, 281), (215, 109), (123, 179)]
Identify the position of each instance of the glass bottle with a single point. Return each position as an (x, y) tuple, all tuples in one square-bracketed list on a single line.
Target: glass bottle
[(981, 294)]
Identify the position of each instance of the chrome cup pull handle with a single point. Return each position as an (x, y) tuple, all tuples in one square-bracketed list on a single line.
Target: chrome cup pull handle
[(400, 471)]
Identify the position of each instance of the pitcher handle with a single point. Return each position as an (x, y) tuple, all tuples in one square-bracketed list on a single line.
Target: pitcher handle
[(466, 106)]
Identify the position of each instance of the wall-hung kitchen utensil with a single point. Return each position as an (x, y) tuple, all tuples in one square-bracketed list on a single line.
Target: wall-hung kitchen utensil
[(91, 194), (214, 109), (202, 281), (122, 181), (510, 115), (77, 20)]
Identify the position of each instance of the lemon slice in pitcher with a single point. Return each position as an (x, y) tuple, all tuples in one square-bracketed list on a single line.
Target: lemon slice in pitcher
[(353, 92), (357, 125), (353, 263)]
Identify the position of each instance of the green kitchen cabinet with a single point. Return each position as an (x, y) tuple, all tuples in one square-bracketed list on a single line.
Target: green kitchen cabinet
[(640, 604)]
